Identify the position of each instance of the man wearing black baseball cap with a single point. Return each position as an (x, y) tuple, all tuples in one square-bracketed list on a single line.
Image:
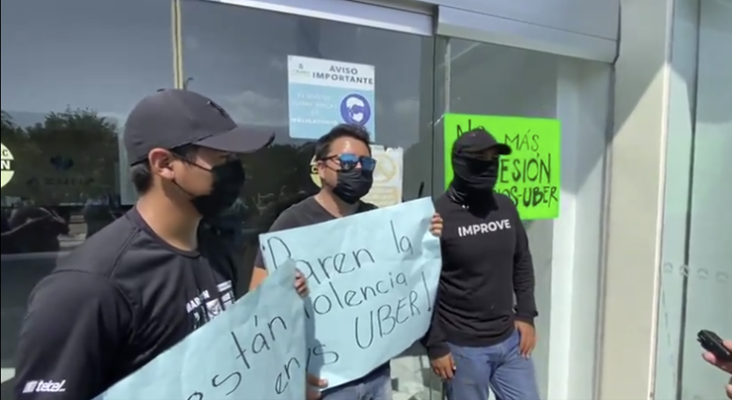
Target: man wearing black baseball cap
[(150, 278), (479, 339)]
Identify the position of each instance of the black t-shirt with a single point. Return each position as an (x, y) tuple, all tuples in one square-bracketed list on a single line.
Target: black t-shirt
[(304, 213), (310, 212), (485, 263), (115, 303)]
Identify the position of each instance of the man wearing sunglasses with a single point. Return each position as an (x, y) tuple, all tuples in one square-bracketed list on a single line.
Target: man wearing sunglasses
[(480, 338), (150, 278), (346, 170)]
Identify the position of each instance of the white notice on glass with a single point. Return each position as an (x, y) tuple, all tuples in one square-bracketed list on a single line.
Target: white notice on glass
[(387, 189)]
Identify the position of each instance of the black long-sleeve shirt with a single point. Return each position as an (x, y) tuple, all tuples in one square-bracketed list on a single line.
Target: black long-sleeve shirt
[(485, 263)]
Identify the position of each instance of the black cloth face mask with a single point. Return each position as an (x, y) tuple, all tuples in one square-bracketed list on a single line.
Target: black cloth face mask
[(354, 184), (228, 181), (474, 176)]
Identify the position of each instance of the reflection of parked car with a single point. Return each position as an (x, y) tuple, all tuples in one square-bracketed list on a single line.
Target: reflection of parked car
[(23, 231), (20, 273), (99, 213), (229, 224), (33, 229), (264, 221)]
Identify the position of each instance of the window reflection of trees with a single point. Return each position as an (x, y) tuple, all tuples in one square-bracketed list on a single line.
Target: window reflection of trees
[(64, 169), (66, 159), (67, 165), (275, 174)]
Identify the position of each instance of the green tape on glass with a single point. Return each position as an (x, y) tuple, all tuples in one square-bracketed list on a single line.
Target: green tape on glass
[(531, 175)]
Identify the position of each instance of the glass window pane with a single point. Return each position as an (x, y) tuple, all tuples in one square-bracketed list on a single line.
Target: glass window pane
[(71, 71), (709, 283), (485, 79), (239, 57), (697, 272)]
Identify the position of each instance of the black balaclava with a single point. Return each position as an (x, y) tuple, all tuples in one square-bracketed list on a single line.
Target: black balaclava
[(474, 176)]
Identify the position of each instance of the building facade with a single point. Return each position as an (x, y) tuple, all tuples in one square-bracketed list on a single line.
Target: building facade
[(634, 266)]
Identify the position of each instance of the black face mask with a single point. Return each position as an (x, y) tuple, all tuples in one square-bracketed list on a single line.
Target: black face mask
[(228, 180), (473, 175), (354, 184)]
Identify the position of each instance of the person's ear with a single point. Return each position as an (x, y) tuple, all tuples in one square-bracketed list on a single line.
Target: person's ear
[(320, 165), (160, 161)]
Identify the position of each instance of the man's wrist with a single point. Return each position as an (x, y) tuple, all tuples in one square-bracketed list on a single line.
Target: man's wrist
[(525, 319), (438, 351)]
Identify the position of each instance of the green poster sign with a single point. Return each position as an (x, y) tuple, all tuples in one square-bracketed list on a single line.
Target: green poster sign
[(530, 176)]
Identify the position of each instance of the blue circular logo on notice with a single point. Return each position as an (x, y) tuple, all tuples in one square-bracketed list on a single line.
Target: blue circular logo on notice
[(355, 109)]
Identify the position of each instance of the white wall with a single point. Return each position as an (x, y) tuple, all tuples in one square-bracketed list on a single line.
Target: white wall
[(632, 253), (585, 17), (494, 23), (583, 93)]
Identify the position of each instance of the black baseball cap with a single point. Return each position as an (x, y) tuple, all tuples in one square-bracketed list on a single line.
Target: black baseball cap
[(479, 140), (173, 118)]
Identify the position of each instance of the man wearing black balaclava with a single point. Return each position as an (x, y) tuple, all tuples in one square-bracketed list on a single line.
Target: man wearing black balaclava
[(481, 339)]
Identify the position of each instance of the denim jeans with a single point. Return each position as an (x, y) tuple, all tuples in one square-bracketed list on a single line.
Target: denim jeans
[(499, 367), (374, 386)]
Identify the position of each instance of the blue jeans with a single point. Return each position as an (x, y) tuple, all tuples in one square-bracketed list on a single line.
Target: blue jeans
[(499, 367), (374, 386)]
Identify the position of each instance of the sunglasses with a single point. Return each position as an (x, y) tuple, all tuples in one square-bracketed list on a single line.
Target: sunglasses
[(349, 162)]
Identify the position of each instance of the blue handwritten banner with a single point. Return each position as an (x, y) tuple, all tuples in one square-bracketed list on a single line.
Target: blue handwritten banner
[(372, 279), (252, 351)]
